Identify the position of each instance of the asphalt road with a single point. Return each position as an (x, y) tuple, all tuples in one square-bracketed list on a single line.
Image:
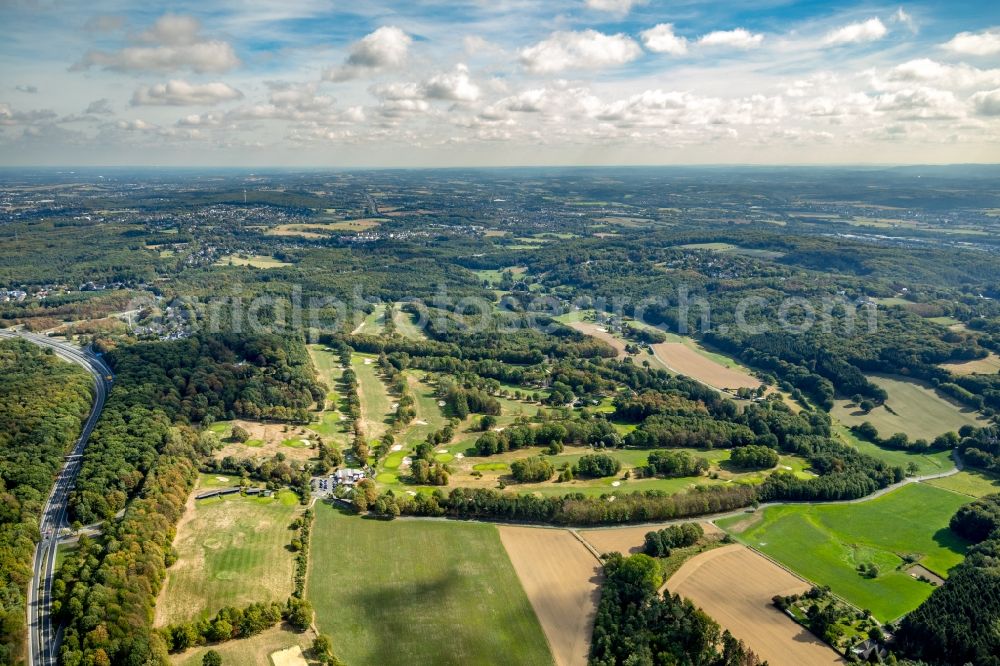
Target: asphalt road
[(43, 648)]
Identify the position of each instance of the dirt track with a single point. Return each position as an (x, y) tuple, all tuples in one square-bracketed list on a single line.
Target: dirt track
[(562, 580), (734, 585)]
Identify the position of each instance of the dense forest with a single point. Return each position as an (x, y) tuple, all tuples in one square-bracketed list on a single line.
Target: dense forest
[(194, 381), (43, 404), (637, 625), (958, 623), (143, 458)]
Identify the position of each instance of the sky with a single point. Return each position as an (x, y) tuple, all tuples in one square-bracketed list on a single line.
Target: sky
[(446, 83)]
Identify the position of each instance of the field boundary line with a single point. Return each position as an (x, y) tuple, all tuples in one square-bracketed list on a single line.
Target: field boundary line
[(586, 544)]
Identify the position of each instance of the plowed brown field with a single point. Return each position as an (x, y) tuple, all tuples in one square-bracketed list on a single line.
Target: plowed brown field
[(562, 580)]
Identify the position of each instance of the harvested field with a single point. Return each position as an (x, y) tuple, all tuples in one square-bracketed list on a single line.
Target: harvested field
[(980, 366), (255, 262), (562, 580), (629, 540), (602, 334), (684, 360), (734, 585)]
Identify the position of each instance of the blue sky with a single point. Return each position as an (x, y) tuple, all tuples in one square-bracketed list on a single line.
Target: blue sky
[(478, 82)]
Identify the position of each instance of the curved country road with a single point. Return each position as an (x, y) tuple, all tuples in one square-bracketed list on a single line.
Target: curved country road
[(43, 647)]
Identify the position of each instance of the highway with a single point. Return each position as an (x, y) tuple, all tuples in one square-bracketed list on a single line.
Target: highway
[(42, 633)]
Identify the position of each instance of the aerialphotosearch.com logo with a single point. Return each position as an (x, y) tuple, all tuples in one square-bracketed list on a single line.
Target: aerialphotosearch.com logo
[(313, 315)]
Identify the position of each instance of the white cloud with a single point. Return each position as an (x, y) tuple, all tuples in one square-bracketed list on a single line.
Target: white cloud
[(455, 86), (200, 120), (984, 43), (26, 89), (987, 102), (9, 116), (587, 49), (906, 19), (927, 71), (661, 39), (182, 93), (100, 107), (614, 6), (921, 103), (739, 38), (864, 31), (137, 125), (173, 30), (385, 48), (176, 43)]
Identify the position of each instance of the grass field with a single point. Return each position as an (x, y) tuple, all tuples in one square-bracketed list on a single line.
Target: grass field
[(974, 483), (419, 592), (331, 424), (826, 542), (982, 366), (231, 551), (375, 402), (256, 262), (927, 463), (253, 651), (406, 324), (920, 411)]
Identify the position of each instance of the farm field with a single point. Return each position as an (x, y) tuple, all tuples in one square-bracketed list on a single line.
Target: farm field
[(231, 551), (825, 543), (602, 334), (253, 651), (683, 358), (562, 580), (984, 366), (419, 592), (920, 411), (255, 262), (734, 585), (375, 402), (628, 540), (972, 482)]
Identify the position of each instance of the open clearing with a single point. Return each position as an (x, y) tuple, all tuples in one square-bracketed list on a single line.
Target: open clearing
[(920, 411), (375, 404), (266, 439), (419, 592), (325, 229), (684, 360), (602, 334), (628, 540), (255, 262), (231, 551), (972, 482), (562, 580), (734, 585), (253, 651), (825, 543), (926, 463), (980, 366)]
